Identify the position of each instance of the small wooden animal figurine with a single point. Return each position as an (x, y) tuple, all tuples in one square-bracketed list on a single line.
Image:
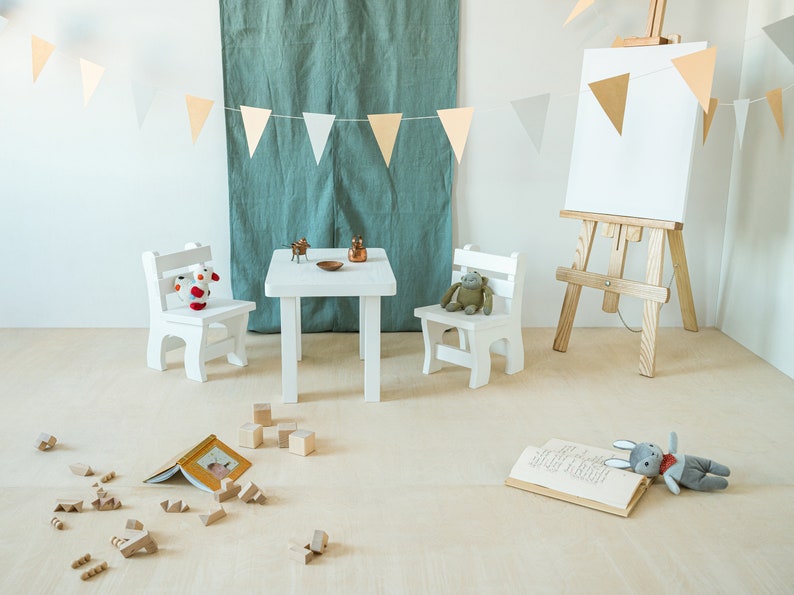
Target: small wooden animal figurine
[(80, 469), (94, 571), (56, 522), (45, 441), (81, 560), (299, 249), (357, 252), (174, 506)]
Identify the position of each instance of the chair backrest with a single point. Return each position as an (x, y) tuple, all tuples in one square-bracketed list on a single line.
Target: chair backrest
[(162, 270), (505, 275)]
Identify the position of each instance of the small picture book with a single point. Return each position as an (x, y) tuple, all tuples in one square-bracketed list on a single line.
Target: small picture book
[(204, 465), (576, 473)]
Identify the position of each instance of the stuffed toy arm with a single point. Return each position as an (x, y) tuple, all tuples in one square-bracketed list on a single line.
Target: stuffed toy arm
[(447, 297), (672, 484), (487, 306)]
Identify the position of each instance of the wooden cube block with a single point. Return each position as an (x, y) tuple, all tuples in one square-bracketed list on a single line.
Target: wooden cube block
[(284, 431), (319, 541), (45, 441), (301, 442), (262, 414), (300, 554), (249, 435)]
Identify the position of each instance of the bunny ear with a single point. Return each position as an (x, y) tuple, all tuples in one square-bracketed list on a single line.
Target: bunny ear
[(624, 444), (618, 463)]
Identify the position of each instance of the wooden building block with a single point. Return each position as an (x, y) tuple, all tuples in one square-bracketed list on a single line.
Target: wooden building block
[(143, 541), (263, 415), (106, 503), (301, 442), (174, 506), (81, 560), (57, 523), (319, 541), (45, 441), (134, 525), (81, 469), (300, 554), (250, 435), (68, 505), (284, 430), (107, 477), (228, 489), (94, 571), (212, 515), (251, 493)]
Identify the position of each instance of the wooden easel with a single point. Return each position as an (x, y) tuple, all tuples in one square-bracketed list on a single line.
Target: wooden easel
[(623, 230), (653, 29)]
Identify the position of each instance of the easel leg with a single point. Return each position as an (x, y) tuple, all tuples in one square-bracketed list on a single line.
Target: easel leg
[(675, 238), (650, 315), (573, 291)]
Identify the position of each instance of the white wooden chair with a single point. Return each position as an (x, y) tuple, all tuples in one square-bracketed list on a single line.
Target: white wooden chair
[(174, 325), (478, 334)]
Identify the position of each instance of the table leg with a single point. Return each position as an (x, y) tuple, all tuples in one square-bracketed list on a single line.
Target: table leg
[(362, 336), (290, 348), (371, 334)]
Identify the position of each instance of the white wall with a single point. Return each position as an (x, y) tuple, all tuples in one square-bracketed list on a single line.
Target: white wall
[(757, 282), (85, 191)]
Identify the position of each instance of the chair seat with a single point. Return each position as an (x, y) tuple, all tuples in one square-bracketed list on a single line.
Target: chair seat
[(216, 310), (459, 319)]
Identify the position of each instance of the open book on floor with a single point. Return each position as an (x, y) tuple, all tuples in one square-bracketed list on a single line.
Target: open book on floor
[(577, 473), (204, 465)]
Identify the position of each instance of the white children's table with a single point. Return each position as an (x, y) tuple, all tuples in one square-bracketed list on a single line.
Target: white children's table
[(290, 281)]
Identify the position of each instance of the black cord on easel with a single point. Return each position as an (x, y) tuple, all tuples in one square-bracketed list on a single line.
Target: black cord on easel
[(669, 285)]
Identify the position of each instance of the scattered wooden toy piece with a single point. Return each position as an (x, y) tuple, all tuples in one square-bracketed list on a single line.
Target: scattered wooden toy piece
[(81, 560), (300, 554), (94, 571), (56, 522), (68, 505), (212, 515), (45, 441), (262, 414), (134, 525), (301, 442), (80, 469), (319, 541), (101, 492), (107, 477), (106, 503), (284, 431), (174, 506), (251, 493), (250, 435), (228, 489), (142, 541)]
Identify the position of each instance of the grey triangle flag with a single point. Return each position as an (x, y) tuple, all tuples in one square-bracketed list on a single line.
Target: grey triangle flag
[(532, 113)]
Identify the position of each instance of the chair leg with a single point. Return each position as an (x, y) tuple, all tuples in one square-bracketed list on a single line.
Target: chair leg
[(432, 333), (480, 361), (236, 328), (195, 354), (514, 353), (155, 351)]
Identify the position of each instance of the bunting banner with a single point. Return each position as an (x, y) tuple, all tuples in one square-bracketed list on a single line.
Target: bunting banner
[(697, 70), (580, 7), (41, 52), (319, 127), (782, 35), (775, 100), (92, 73), (532, 112), (740, 107), (385, 128), (708, 116), (456, 122), (143, 97), (611, 95), (198, 109), (254, 121)]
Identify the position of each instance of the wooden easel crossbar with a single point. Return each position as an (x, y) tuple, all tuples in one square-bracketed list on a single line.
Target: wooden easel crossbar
[(623, 230)]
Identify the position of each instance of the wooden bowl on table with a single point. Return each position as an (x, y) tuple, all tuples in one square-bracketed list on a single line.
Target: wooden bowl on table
[(329, 265)]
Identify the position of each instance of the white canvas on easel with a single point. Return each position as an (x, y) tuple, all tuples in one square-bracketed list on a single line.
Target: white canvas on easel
[(645, 171)]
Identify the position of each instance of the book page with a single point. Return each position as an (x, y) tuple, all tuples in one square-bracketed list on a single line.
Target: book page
[(578, 470)]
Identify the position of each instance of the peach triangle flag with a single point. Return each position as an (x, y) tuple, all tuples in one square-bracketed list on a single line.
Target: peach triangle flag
[(775, 100), (618, 43), (319, 127), (385, 128), (697, 70), (611, 94), (740, 107), (198, 110), (92, 73), (708, 116), (41, 51), (254, 121), (580, 7), (532, 113), (456, 122)]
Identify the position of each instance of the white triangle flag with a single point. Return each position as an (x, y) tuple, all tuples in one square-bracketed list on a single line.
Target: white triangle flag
[(143, 96), (740, 106), (92, 74), (254, 121), (319, 127), (532, 113), (782, 34)]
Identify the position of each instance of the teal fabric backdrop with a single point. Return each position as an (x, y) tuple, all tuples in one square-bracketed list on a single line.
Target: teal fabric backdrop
[(350, 58)]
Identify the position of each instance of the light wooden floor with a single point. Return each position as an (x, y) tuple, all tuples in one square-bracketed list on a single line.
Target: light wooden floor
[(410, 490)]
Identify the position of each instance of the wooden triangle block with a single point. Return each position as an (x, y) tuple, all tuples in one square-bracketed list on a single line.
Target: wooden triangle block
[(68, 505), (611, 95), (212, 515)]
